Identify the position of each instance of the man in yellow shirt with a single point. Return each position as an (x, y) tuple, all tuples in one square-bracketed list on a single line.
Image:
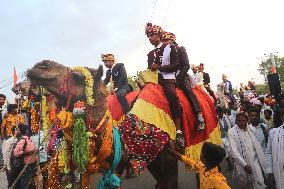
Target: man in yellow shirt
[(11, 119)]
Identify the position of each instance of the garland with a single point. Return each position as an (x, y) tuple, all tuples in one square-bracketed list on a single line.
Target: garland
[(53, 173), (44, 117), (63, 158), (80, 144), (65, 118), (34, 120), (89, 82)]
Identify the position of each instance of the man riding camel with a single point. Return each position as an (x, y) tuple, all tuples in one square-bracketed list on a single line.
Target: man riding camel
[(116, 74), (164, 58), (206, 81), (228, 89), (183, 79)]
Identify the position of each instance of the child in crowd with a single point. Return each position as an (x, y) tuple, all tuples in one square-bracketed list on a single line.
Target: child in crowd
[(207, 168)]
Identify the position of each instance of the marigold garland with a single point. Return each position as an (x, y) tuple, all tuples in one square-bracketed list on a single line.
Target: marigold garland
[(66, 121), (53, 173), (63, 158), (26, 105), (34, 120), (65, 118), (89, 82)]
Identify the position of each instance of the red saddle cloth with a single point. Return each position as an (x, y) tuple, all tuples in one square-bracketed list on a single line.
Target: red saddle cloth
[(149, 127)]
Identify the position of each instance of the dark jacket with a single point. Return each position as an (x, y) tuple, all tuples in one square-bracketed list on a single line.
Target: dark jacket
[(183, 65), (206, 78), (119, 76)]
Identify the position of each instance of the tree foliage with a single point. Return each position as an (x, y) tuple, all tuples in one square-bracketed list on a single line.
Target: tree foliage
[(266, 65), (264, 88)]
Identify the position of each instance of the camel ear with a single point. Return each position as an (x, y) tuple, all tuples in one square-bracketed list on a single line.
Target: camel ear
[(78, 77), (97, 73), (100, 72)]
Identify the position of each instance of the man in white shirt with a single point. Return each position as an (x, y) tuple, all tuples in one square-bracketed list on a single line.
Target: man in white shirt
[(261, 129), (3, 111), (225, 125), (249, 164), (7, 149), (164, 59), (198, 76), (275, 156)]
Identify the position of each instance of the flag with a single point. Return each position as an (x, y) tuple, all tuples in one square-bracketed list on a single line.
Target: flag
[(273, 69), (15, 77)]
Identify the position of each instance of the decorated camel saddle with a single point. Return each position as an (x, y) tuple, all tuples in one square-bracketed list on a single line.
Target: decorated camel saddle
[(149, 126)]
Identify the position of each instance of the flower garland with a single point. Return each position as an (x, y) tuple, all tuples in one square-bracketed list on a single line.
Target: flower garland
[(53, 173), (44, 117), (65, 118), (26, 105), (80, 144), (63, 158), (34, 120), (89, 82)]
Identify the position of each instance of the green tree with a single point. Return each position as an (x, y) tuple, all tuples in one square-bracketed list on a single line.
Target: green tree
[(262, 89), (266, 65)]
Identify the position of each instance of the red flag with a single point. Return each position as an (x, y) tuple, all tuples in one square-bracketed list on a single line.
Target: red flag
[(273, 69), (15, 77)]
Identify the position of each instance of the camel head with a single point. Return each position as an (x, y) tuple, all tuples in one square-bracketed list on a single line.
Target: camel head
[(52, 76), (48, 74)]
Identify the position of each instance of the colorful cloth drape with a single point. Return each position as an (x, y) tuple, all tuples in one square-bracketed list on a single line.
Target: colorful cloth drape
[(109, 179)]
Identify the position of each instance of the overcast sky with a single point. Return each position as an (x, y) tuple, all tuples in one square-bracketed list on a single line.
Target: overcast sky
[(227, 36)]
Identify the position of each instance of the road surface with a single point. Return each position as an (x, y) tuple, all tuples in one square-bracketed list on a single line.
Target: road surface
[(146, 181)]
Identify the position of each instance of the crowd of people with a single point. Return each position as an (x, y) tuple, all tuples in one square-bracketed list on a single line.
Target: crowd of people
[(251, 126), (22, 150), (252, 135)]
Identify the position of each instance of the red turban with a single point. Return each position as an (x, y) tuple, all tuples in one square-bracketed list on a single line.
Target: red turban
[(168, 35), (106, 57), (151, 29)]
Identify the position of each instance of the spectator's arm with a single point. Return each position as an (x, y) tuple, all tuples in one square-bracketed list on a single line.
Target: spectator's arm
[(196, 166)]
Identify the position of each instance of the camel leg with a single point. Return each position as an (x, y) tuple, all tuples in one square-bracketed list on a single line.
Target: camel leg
[(165, 170)]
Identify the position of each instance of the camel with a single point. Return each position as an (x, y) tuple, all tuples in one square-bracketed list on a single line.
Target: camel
[(51, 76), (25, 88)]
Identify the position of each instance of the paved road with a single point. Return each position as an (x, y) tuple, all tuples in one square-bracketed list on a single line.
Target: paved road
[(146, 181), (186, 180)]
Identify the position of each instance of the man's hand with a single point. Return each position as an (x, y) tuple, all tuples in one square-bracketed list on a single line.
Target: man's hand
[(271, 181), (248, 169), (154, 67)]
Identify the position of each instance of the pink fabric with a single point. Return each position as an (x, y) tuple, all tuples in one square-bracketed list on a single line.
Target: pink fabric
[(30, 148)]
